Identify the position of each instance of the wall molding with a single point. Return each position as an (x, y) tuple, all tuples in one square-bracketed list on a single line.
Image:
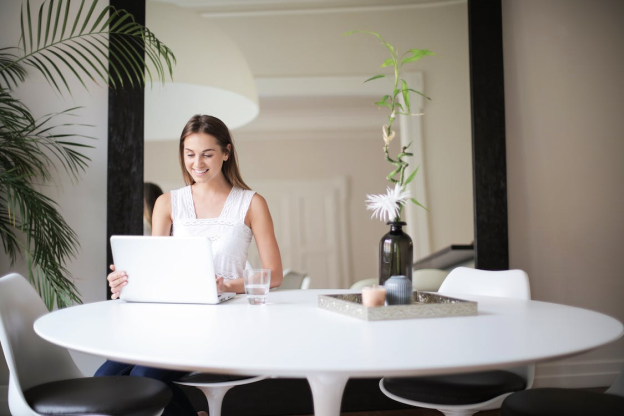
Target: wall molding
[(269, 8), (578, 374)]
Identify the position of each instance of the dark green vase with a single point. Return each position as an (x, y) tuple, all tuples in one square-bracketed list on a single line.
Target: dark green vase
[(395, 253)]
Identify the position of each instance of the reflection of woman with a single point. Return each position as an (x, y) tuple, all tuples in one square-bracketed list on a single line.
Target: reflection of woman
[(218, 204), (151, 192)]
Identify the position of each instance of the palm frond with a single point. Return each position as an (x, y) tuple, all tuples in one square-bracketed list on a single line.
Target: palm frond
[(29, 146), (52, 48), (50, 242), (11, 73), (102, 45), (28, 149)]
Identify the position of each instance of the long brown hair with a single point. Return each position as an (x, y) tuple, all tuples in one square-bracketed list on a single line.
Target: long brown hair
[(151, 192), (216, 128)]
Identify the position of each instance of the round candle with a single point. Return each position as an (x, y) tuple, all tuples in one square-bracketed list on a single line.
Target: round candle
[(373, 295)]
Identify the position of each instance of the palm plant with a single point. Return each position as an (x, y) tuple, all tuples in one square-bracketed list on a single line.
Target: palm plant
[(101, 44)]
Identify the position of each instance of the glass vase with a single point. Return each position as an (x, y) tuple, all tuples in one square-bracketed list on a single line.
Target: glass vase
[(395, 253)]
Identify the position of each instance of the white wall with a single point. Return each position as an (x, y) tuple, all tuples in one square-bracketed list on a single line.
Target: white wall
[(564, 61), (82, 204)]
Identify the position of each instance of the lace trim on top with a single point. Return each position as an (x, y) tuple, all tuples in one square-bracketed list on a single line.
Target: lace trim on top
[(229, 245)]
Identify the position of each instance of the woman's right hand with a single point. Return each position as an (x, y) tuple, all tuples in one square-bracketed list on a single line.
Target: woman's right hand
[(116, 280)]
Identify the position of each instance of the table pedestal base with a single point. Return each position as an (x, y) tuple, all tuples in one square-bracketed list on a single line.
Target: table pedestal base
[(327, 393)]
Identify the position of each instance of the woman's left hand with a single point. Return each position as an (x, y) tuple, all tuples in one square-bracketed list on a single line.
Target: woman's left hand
[(220, 285)]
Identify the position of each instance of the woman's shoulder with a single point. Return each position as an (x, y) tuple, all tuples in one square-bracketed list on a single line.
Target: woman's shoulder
[(182, 190), (244, 191), (164, 199), (257, 201)]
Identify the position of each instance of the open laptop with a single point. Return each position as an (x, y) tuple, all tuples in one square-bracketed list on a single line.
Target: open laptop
[(167, 269)]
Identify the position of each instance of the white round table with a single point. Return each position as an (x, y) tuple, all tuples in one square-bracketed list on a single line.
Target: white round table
[(291, 336)]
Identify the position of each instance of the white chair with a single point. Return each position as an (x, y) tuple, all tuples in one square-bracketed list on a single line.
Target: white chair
[(294, 280), (467, 394), (428, 280), (44, 379), (215, 386), (364, 282)]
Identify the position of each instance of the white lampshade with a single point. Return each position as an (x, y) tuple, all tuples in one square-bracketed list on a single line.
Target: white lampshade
[(211, 75)]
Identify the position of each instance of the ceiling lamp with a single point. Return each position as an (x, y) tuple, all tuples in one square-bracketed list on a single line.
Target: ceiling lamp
[(211, 75)]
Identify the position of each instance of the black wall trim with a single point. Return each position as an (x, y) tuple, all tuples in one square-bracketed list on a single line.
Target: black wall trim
[(488, 134), (124, 214)]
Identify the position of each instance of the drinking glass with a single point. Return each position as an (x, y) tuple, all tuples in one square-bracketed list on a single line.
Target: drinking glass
[(257, 283)]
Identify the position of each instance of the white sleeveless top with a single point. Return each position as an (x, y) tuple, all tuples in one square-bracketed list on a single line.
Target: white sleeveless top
[(228, 232)]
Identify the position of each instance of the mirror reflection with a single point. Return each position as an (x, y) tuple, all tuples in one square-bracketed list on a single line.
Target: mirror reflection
[(315, 149)]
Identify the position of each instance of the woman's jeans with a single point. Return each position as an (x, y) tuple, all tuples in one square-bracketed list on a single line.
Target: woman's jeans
[(179, 405)]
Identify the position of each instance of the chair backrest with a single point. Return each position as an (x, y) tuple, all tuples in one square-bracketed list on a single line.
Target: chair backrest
[(364, 282), (506, 283), (428, 279), (294, 280), (31, 360)]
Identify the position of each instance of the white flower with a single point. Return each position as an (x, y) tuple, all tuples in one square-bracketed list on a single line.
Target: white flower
[(386, 207)]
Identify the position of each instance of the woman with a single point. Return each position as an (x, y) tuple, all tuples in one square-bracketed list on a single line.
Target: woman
[(151, 192), (215, 203)]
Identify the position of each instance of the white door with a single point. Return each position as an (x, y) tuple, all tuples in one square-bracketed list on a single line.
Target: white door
[(310, 222)]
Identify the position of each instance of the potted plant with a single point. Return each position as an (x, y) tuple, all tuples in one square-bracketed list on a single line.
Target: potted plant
[(60, 43), (395, 248)]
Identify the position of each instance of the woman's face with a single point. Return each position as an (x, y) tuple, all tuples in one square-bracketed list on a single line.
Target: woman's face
[(203, 157)]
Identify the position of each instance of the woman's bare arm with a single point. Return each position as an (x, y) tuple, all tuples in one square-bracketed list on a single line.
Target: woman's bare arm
[(161, 217), (261, 225)]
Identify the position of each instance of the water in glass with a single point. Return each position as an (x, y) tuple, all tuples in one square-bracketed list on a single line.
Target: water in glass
[(257, 294), (257, 283)]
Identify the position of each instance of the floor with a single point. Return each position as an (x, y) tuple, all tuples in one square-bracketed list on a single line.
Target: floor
[(411, 412)]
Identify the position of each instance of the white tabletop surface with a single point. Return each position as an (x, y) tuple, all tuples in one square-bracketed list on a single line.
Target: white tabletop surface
[(292, 336)]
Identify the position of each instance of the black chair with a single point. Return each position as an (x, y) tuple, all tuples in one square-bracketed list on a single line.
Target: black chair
[(44, 379), (566, 402)]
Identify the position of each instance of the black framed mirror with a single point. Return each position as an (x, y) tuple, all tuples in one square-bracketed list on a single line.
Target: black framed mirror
[(126, 122)]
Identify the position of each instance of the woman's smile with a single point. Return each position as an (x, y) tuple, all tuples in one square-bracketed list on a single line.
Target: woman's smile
[(203, 157)]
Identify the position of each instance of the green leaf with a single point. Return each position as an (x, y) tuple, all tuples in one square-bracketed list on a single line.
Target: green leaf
[(47, 29), (405, 93), (56, 19), (417, 54), (88, 17), (419, 93), (388, 62), (419, 204), (65, 20), (9, 69), (411, 177), (77, 18), (380, 103), (39, 25), (45, 70), (96, 59), (29, 25), (375, 77), (89, 62)]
